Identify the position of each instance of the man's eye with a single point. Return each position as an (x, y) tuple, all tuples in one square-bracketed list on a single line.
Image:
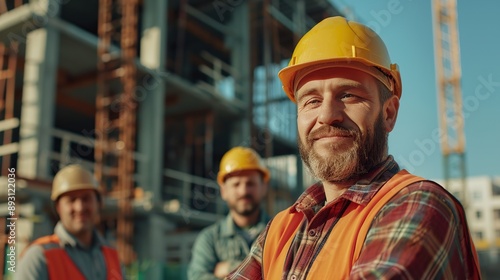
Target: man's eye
[(312, 102), (350, 97)]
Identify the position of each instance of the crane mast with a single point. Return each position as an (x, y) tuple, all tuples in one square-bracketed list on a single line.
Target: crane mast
[(448, 79)]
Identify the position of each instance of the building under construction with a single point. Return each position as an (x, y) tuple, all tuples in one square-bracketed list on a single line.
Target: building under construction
[(149, 95)]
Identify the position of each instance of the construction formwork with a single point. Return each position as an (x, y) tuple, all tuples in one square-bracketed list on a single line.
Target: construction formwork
[(149, 95)]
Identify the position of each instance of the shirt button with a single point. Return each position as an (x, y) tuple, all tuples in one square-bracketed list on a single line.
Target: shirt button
[(294, 277), (312, 232)]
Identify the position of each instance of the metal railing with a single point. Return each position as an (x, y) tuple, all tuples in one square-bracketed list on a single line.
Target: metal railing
[(193, 192), (181, 189), (9, 148)]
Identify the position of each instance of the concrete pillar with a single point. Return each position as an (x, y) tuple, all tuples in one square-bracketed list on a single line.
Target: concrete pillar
[(150, 245), (239, 44), (150, 236), (38, 103), (42, 224)]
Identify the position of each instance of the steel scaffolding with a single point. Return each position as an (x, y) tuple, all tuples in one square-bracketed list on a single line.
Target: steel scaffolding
[(116, 108)]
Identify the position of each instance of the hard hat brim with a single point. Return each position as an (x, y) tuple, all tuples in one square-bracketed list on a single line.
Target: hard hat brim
[(56, 195), (290, 76), (221, 178)]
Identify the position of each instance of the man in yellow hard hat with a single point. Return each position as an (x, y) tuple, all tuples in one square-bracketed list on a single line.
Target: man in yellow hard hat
[(76, 250), (365, 218), (219, 248)]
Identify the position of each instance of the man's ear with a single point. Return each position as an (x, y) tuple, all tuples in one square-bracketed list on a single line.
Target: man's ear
[(222, 191), (265, 185), (56, 208), (390, 112), (100, 201), (266, 190)]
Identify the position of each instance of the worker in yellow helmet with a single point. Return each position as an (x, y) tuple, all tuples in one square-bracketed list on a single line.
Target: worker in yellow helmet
[(76, 250), (366, 218), (219, 248)]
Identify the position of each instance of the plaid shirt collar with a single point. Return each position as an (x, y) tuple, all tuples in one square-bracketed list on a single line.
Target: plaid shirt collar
[(361, 192)]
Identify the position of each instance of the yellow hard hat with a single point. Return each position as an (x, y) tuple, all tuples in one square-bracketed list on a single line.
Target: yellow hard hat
[(239, 159), (336, 42), (71, 178)]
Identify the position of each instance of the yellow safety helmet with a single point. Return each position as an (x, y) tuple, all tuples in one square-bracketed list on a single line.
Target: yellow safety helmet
[(336, 42), (238, 159), (72, 178)]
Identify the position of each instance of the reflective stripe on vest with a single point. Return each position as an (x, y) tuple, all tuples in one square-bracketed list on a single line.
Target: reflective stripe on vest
[(60, 265), (345, 240)]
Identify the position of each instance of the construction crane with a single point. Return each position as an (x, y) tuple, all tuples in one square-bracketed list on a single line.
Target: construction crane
[(448, 77)]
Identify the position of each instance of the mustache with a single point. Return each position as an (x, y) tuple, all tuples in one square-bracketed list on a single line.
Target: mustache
[(331, 131), (80, 213), (246, 197)]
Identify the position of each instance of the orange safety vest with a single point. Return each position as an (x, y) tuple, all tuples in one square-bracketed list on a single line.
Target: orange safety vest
[(345, 240), (60, 265)]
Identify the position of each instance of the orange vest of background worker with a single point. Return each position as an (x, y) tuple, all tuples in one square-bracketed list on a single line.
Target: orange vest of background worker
[(76, 250)]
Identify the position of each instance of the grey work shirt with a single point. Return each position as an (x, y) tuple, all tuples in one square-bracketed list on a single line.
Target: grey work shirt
[(89, 260), (222, 241)]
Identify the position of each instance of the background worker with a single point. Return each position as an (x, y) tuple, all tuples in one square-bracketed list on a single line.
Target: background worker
[(220, 247), (366, 218), (76, 250)]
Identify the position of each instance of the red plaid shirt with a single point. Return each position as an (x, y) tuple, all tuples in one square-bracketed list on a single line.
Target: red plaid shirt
[(417, 235)]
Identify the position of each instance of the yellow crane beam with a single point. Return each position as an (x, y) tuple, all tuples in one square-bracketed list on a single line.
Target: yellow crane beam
[(448, 78)]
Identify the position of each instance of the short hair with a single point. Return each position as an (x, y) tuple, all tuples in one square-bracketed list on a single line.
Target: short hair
[(384, 92)]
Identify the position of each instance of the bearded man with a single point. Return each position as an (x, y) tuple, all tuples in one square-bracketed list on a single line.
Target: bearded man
[(366, 218), (221, 247)]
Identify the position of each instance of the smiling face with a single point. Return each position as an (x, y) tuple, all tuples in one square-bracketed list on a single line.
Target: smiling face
[(342, 123), (243, 191), (78, 211)]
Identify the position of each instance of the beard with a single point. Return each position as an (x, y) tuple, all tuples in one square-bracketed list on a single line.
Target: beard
[(244, 208), (349, 164)]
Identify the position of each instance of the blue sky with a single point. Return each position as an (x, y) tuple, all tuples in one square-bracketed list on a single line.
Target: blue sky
[(406, 27)]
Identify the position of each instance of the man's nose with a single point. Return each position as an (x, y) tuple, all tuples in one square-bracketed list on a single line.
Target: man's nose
[(330, 112), (79, 204), (245, 188)]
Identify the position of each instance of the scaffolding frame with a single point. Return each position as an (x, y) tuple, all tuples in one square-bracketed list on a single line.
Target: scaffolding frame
[(116, 113), (8, 63)]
